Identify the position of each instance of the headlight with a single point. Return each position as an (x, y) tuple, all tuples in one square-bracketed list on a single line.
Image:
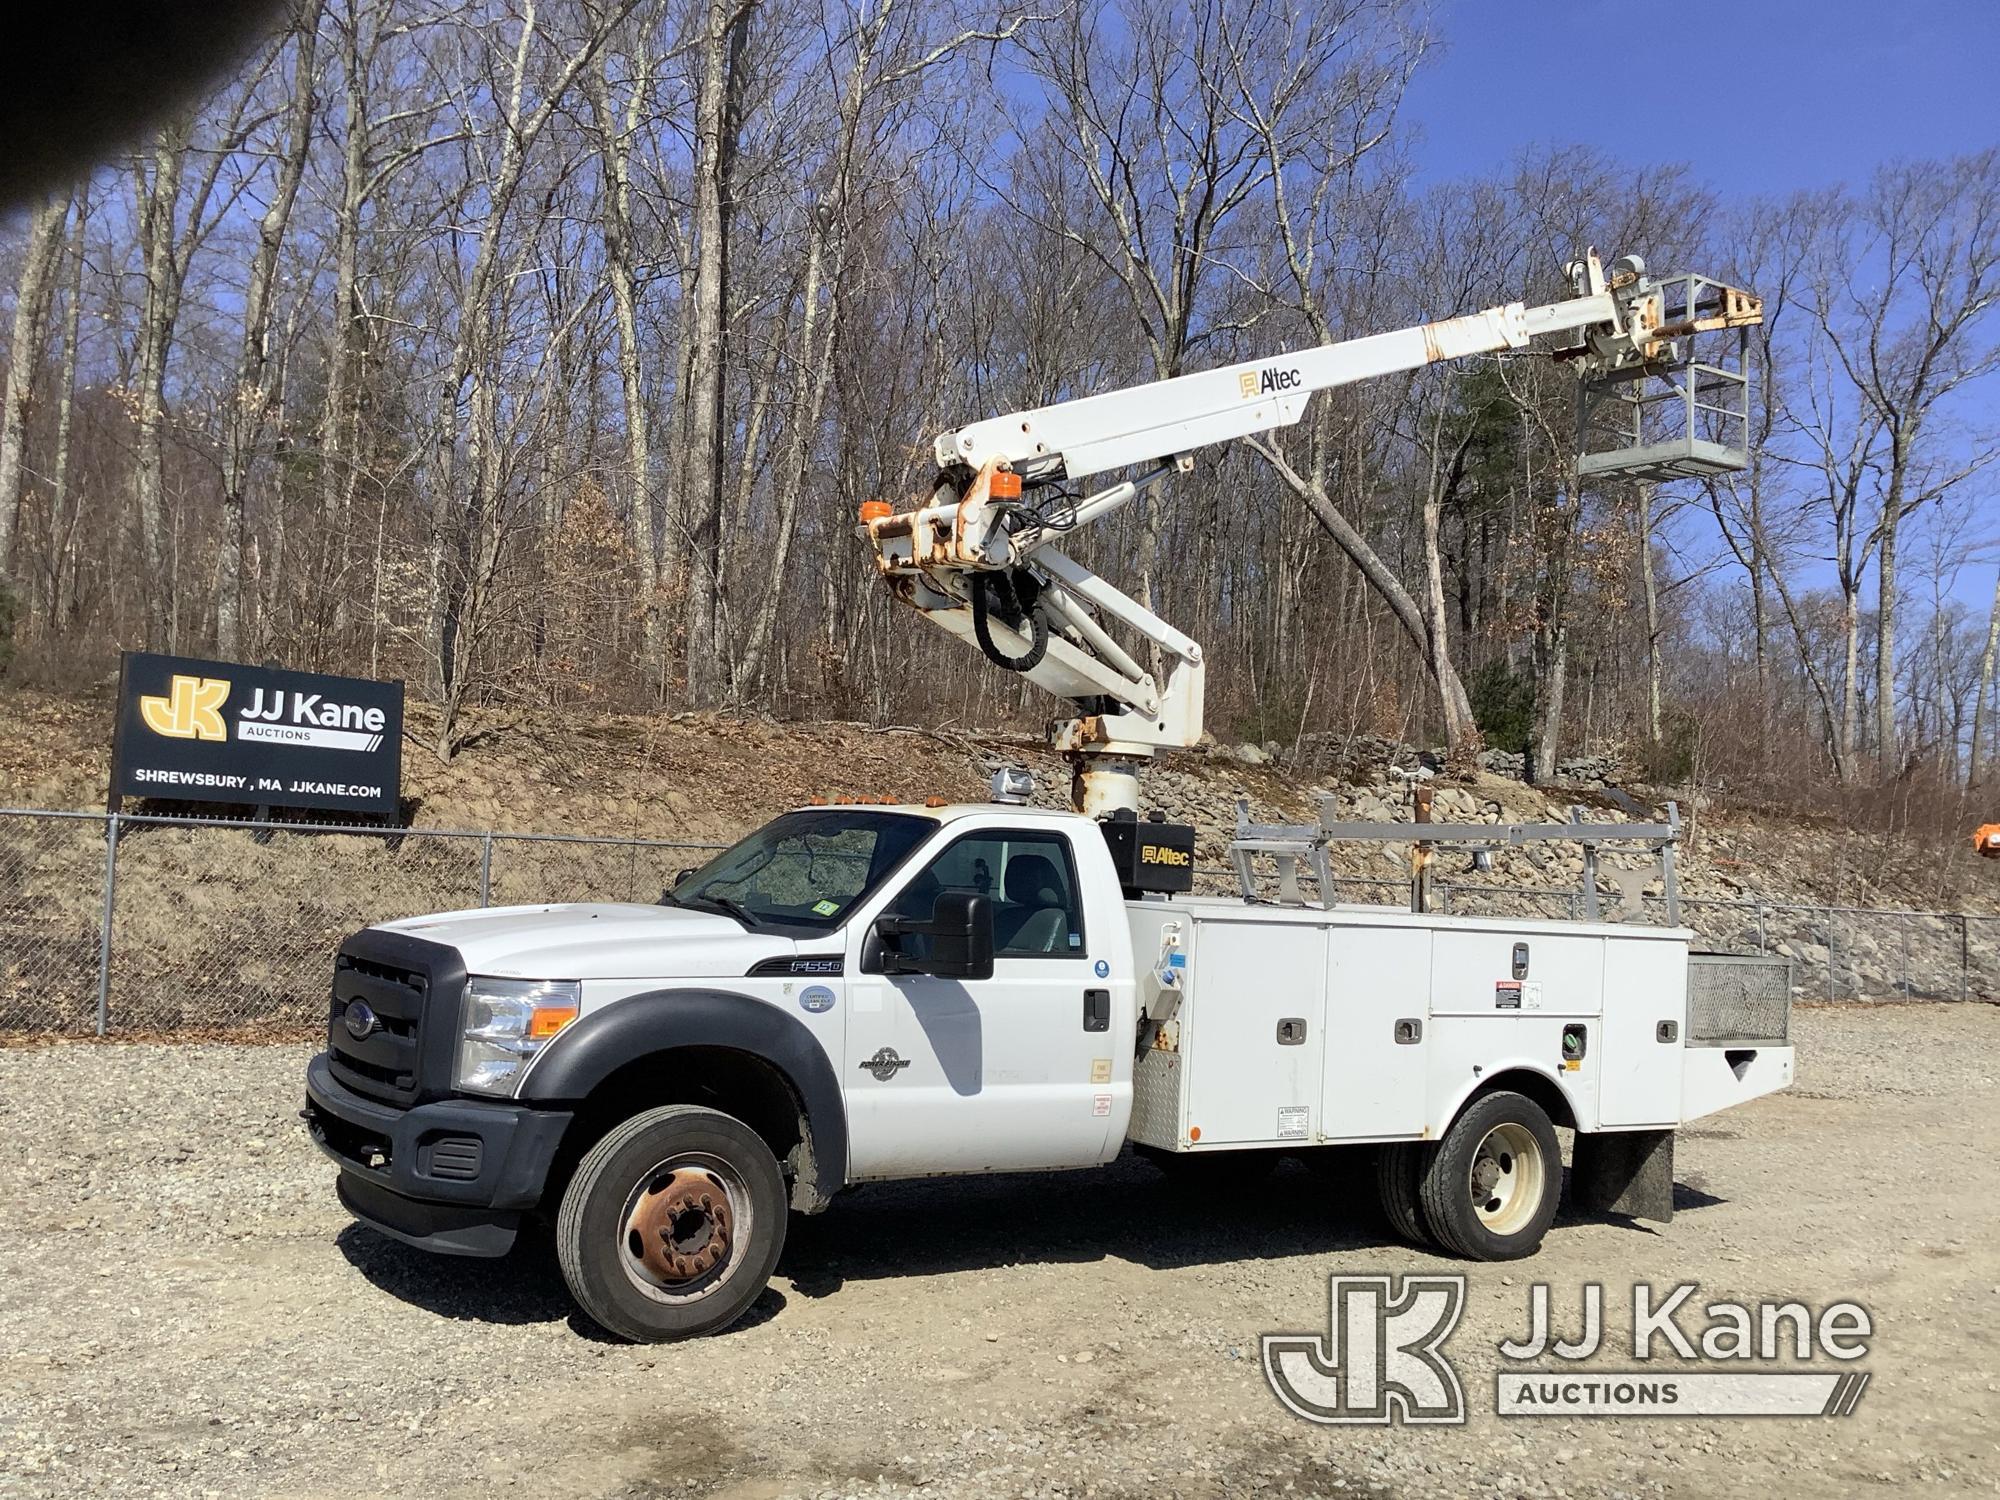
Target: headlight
[(506, 1022)]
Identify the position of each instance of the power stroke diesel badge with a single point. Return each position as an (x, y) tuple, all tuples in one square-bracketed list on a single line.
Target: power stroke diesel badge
[(885, 1064)]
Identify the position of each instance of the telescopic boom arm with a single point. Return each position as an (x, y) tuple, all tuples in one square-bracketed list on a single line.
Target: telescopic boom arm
[(978, 558)]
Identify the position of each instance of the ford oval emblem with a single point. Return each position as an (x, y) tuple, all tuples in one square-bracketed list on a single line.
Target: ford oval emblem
[(362, 1022)]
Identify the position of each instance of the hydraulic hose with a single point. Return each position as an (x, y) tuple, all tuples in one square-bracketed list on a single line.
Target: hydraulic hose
[(1012, 596)]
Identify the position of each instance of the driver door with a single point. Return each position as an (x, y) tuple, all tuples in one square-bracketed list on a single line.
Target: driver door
[(951, 1075)]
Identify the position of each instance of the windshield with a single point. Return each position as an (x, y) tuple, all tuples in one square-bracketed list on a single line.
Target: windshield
[(805, 869)]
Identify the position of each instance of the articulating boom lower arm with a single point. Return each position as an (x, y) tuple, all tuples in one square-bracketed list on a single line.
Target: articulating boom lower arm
[(977, 559)]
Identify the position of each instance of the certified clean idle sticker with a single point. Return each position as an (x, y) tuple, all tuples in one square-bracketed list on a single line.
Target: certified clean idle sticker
[(1103, 968), (816, 998)]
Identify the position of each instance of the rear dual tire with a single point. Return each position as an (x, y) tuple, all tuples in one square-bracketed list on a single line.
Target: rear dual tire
[(1488, 1190)]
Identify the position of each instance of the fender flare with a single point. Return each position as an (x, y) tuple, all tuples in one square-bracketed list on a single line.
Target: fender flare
[(1441, 1122), (605, 1040)]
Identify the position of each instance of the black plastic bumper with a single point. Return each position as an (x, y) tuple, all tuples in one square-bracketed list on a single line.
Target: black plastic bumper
[(454, 1176)]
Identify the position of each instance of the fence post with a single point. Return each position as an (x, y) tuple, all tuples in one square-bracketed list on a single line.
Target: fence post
[(486, 870), (1964, 956), (104, 931)]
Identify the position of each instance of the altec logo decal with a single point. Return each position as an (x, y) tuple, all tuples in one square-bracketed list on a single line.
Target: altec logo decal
[(1254, 383), (1157, 854), (191, 710)]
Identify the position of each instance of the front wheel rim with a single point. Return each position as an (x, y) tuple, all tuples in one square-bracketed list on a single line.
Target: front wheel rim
[(683, 1227), (1506, 1179)]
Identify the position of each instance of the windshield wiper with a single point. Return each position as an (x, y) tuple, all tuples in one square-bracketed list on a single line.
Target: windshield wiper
[(729, 906)]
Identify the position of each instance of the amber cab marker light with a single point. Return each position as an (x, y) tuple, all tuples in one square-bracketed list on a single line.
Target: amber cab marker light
[(547, 1020)]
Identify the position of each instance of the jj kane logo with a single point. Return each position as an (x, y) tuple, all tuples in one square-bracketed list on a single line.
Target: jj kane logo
[(190, 710), (1255, 383), (1382, 1357)]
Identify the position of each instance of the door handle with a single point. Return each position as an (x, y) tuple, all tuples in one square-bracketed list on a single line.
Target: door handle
[(1409, 1031), (1097, 1010)]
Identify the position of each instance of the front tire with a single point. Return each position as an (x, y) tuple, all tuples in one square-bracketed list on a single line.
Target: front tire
[(672, 1225), (1492, 1189)]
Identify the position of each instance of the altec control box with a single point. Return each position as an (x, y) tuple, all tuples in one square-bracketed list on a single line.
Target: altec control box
[(1151, 856)]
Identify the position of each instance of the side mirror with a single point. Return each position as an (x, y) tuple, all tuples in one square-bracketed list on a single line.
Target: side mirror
[(961, 938)]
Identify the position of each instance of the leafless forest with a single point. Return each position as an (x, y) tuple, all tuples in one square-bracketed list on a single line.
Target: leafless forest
[(541, 353)]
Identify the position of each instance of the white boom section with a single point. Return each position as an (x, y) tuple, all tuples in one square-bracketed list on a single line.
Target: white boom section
[(943, 556), (1167, 417)]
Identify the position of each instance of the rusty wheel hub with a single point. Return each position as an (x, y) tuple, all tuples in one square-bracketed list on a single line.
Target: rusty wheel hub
[(682, 1226), (1486, 1173)]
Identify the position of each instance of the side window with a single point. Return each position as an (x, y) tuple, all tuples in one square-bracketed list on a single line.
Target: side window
[(1030, 879)]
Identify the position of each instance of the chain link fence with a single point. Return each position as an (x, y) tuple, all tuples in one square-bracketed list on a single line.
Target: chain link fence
[(134, 924)]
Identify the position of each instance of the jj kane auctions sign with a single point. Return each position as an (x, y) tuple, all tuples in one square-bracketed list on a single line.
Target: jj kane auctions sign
[(211, 731)]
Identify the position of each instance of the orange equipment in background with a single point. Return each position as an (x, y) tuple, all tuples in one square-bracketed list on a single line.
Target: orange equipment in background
[(1987, 840)]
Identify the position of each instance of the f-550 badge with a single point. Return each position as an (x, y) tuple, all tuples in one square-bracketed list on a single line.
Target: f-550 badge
[(885, 1064)]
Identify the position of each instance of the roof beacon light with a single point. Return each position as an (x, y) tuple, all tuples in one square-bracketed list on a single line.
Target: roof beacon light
[(1013, 786)]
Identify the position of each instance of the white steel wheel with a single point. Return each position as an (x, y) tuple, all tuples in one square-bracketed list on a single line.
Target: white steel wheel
[(1491, 1189), (1505, 1180)]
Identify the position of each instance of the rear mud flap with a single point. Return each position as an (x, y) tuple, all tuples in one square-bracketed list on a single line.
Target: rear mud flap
[(1627, 1172)]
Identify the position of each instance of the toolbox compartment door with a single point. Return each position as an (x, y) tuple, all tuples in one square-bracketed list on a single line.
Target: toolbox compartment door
[(1379, 983), (1252, 1037)]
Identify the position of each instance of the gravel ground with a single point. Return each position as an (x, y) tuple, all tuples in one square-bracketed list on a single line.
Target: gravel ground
[(184, 1310)]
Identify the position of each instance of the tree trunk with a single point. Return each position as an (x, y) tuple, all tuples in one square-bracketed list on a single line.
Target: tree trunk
[(1975, 771), (614, 154), (1650, 587), (156, 331), (1885, 611), (701, 476), (1451, 689), (63, 525), (24, 357), (249, 413)]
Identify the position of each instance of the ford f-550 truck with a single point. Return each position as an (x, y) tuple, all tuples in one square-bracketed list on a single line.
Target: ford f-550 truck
[(856, 993)]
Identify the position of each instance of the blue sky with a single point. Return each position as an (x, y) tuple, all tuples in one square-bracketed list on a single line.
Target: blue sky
[(1759, 96)]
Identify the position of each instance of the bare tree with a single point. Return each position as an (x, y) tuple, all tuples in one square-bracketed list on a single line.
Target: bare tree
[(32, 296), (1903, 301), (250, 411)]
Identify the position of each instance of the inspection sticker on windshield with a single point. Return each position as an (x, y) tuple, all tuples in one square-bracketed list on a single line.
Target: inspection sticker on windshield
[(825, 908)]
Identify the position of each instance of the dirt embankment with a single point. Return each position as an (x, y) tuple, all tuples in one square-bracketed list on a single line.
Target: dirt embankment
[(708, 778)]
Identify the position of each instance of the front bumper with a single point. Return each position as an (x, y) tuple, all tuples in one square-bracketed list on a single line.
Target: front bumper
[(453, 1176)]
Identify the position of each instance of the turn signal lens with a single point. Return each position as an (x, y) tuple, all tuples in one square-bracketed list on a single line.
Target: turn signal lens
[(548, 1020)]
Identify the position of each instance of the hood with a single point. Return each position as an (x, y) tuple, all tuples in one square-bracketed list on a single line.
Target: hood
[(597, 940)]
